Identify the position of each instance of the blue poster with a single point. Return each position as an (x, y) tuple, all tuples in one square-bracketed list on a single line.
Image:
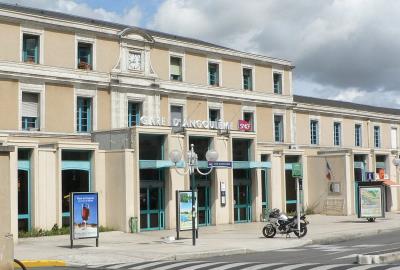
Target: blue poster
[(85, 215)]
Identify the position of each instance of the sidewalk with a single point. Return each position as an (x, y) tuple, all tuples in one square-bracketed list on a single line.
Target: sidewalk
[(118, 247)]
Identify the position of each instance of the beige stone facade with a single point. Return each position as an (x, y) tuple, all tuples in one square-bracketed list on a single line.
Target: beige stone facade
[(93, 106)]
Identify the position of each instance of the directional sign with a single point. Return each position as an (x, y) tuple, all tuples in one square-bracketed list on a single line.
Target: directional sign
[(297, 170), (220, 164), (370, 176)]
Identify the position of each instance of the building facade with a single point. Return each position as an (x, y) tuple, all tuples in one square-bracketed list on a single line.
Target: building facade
[(87, 105)]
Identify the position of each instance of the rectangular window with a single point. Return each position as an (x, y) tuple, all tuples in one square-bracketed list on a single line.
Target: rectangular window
[(357, 133), (314, 132), (249, 118), (394, 138), (214, 114), (83, 114), (30, 47), (213, 74), (85, 56), (133, 114), (176, 69), (377, 136), (247, 79), (30, 111), (176, 116), (337, 133), (278, 128), (277, 83)]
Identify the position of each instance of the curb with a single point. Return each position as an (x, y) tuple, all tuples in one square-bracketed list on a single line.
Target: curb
[(379, 259), (41, 263), (207, 254)]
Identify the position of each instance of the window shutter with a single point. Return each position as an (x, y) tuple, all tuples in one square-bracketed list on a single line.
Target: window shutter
[(176, 113), (30, 105)]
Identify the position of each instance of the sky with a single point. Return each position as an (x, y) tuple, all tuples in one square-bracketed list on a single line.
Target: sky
[(343, 49)]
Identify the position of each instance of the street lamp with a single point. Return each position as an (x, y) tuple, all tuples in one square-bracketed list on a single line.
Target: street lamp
[(191, 167)]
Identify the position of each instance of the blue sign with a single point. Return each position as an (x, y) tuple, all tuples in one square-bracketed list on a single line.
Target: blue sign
[(370, 176), (84, 214), (220, 164)]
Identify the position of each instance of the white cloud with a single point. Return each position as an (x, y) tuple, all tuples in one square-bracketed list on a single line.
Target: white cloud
[(345, 45), (131, 16)]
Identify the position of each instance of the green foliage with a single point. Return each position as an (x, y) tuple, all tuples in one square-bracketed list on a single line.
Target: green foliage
[(35, 232)]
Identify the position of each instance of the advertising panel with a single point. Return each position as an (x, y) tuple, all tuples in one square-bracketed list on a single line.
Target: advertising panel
[(84, 215), (371, 203), (185, 210), (244, 125)]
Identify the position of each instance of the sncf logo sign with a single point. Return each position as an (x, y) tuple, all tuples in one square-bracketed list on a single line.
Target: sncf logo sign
[(244, 125)]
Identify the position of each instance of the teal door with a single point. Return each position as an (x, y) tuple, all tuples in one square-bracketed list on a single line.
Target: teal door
[(359, 176), (203, 204), (24, 196), (242, 202), (264, 186), (151, 207)]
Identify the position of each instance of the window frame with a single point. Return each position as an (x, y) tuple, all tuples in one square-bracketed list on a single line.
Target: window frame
[(89, 117), (377, 139), (337, 134), (34, 89), (218, 84), (214, 109), (88, 40), (356, 126), (282, 129), (170, 114), (253, 123), (316, 132), (35, 32), (281, 73), (252, 70), (182, 57), (138, 113), (86, 93)]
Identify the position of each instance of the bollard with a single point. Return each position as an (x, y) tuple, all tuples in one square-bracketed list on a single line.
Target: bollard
[(6, 252)]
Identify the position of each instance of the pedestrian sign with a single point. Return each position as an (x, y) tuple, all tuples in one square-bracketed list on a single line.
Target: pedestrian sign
[(297, 170)]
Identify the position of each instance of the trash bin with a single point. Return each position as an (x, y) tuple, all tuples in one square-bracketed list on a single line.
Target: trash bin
[(6, 252), (133, 224)]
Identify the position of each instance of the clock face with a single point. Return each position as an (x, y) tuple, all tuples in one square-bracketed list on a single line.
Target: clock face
[(134, 61)]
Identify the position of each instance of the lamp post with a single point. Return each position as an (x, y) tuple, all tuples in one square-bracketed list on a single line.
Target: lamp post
[(191, 167)]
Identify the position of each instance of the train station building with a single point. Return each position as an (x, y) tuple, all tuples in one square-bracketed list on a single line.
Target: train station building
[(87, 105)]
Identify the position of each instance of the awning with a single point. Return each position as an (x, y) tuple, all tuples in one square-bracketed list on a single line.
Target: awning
[(390, 183)]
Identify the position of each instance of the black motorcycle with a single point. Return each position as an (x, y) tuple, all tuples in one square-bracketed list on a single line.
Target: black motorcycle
[(279, 222)]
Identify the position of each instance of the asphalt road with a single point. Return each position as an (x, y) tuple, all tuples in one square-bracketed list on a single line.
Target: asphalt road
[(317, 257)]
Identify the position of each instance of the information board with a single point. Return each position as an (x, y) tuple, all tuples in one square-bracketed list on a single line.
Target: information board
[(371, 202), (84, 215), (185, 210)]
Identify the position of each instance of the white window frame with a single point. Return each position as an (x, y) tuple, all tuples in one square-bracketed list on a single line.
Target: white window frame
[(278, 71), (361, 134), (86, 93), (176, 102), (250, 109), (340, 132), (392, 127), (135, 98), (85, 39), (380, 135), (318, 119), (219, 63), (215, 106), (253, 81), (283, 128), (36, 89), (32, 31), (177, 55)]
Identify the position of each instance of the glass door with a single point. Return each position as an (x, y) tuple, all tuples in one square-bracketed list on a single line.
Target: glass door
[(24, 217), (203, 204), (242, 203), (359, 176), (151, 208)]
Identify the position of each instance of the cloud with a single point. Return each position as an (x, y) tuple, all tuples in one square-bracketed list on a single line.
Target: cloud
[(130, 16), (336, 44)]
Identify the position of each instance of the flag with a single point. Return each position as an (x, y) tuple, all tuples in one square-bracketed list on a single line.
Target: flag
[(328, 171)]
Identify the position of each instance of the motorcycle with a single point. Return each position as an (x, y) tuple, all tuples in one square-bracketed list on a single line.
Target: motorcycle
[(281, 223)]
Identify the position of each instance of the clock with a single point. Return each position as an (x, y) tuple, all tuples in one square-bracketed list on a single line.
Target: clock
[(134, 61)]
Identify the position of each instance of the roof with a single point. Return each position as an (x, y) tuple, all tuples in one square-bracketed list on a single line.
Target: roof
[(118, 26), (345, 105)]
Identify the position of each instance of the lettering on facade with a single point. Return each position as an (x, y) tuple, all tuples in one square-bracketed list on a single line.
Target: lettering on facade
[(188, 123)]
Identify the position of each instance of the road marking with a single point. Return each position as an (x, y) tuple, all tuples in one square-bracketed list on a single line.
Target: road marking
[(327, 267), (231, 265), (290, 249), (367, 246), (261, 266), (121, 265), (194, 267), (294, 266), (346, 257), (151, 264), (174, 264), (364, 267)]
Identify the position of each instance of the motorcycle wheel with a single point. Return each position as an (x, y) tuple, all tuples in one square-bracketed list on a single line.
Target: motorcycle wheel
[(303, 230), (269, 231)]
